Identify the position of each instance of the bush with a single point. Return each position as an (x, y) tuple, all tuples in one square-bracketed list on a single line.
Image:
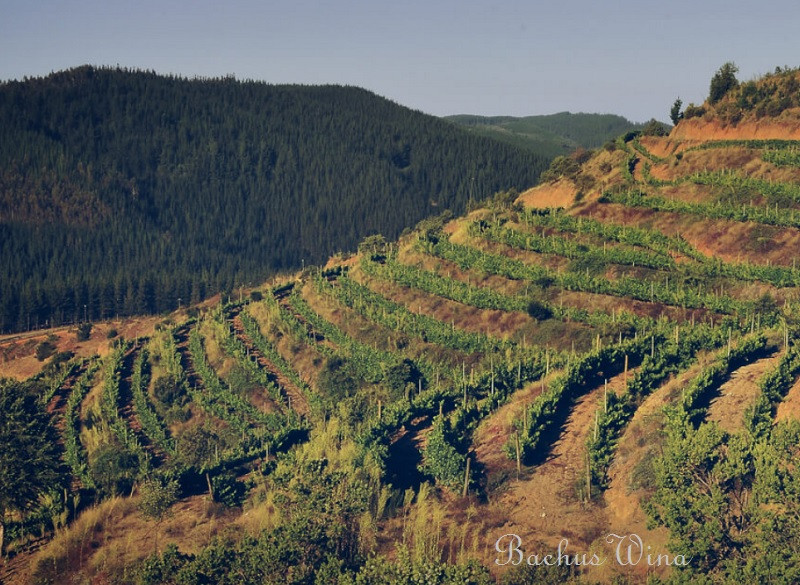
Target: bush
[(228, 490), (157, 497), (654, 128), (693, 111), (112, 333), (84, 331), (539, 311), (114, 469), (44, 350), (168, 391), (338, 378)]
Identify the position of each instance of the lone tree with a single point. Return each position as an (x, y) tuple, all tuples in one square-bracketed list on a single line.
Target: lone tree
[(723, 81), (675, 112), (29, 453)]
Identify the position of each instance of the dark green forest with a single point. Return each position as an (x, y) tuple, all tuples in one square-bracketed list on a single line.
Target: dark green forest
[(125, 192)]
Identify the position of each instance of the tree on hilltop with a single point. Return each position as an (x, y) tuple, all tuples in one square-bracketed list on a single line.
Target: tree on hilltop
[(723, 81)]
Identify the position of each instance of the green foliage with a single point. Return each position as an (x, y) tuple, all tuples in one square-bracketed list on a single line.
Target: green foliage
[(696, 396), (216, 398), (374, 246), (338, 378), (655, 128), (693, 111), (539, 311), (44, 350), (29, 453), (441, 458), (197, 447), (151, 423), (84, 331), (723, 81), (114, 469), (544, 413), (156, 497), (74, 453), (768, 215), (729, 501), (269, 351), (562, 166), (168, 390), (774, 386), (552, 135), (618, 410), (101, 149), (675, 111), (228, 490)]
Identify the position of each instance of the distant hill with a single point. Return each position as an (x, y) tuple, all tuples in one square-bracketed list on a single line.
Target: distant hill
[(127, 192), (553, 134)]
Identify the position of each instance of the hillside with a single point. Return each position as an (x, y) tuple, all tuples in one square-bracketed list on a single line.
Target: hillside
[(612, 352), (125, 192), (553, 134)]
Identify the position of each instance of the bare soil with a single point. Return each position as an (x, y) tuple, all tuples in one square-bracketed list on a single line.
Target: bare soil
[(738, 393)]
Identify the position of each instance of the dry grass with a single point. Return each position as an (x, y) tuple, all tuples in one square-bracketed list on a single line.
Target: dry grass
[(17, 350), (729, 240), (738, 393), (107, 540)]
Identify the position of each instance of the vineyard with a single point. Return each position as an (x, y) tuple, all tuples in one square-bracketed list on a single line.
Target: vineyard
[(503, 372)]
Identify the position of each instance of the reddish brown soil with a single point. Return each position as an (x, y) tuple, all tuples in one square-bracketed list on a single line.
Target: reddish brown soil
[(738, 393)]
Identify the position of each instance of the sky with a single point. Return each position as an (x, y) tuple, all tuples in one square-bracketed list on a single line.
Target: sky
[(516, 57)]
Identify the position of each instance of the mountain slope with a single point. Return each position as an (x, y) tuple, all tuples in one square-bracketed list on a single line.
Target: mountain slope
[(125, 191), (615, 352), (554, 134)]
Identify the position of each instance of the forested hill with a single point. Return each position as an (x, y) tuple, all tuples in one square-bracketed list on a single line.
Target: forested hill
[(552, 134), (126, 191)]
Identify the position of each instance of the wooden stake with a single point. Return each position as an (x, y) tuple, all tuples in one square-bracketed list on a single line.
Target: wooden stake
[(466, 479), (626, 369)]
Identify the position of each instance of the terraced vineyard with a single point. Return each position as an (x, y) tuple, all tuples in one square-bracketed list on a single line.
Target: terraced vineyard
[(552, 373)]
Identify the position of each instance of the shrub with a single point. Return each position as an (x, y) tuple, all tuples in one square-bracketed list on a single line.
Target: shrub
[(44, 350), (157, 497), (693, 111), (228, 490), (654, 128), (84, 331), (539, 311), (112, 333), (168, 391)]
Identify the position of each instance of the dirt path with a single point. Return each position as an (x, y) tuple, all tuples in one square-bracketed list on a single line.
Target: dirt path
[(789, 407), (127, 410), (623, 501), (58, 403), (546, 506), (295, 397), (738, 393)]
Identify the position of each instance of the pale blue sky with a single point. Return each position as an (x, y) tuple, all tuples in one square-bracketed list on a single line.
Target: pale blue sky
[(442, 57)]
